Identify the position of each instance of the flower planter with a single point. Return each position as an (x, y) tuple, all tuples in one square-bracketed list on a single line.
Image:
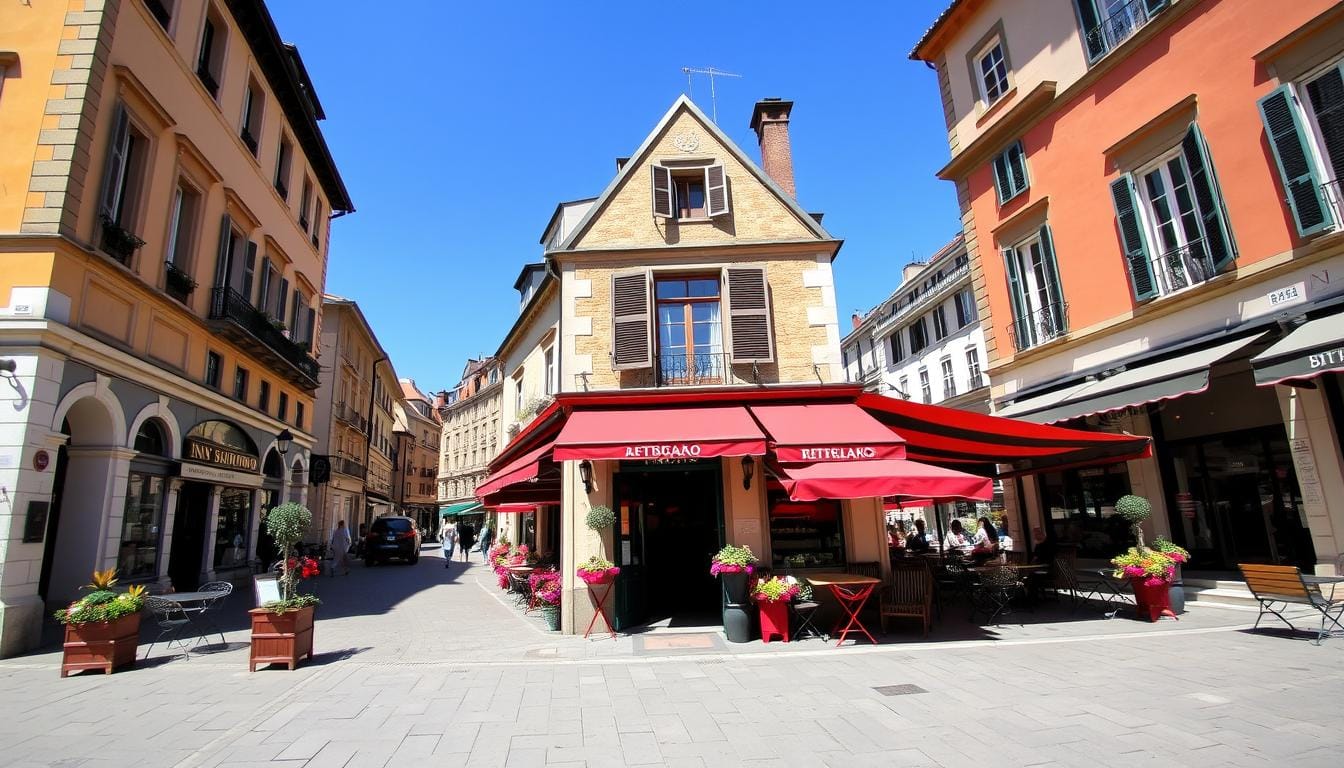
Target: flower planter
[(736, 618), (281, 638), (1152, 601), (552, 615), (104, 645), (600, 577), (774, 620)]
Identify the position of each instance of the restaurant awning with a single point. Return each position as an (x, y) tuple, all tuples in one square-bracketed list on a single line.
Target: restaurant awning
[(514, 509), (1314, 348), (461, 508), (659, 433), (1184, 374), (521, 469), (826, 432), (942, 436), (879, 477)]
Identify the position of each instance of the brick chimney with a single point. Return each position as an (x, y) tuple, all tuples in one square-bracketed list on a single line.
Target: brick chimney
[(770, 121), (856, 319)]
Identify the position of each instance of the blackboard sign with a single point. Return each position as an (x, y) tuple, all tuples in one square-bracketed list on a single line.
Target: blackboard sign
[(35, 523)]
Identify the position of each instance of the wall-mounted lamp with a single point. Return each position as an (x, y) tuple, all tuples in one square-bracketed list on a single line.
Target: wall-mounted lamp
[(8, 365), (748, 472), (283, 440), (586, 475)]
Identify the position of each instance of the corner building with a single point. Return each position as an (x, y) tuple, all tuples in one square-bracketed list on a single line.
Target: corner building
[(163, 248), (1150, 195)]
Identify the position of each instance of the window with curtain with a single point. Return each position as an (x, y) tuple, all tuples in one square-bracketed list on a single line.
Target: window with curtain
[(690, 330)]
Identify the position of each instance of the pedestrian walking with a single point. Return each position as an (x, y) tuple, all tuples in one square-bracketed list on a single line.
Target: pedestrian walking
[(487, 539), (466, 536), (340, 549), (448, 540)]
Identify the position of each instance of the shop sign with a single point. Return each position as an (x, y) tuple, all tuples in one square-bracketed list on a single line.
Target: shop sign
[(837, 453), (203, 452), (1327, 359), (806, 454), (219, 476), (664, 451)]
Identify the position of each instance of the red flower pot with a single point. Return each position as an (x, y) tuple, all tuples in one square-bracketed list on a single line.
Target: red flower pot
[(774, 620), (1152, 601), (281, 638), (103, 645)]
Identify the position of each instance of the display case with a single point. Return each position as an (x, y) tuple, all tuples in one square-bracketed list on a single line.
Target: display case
[(805, 534)]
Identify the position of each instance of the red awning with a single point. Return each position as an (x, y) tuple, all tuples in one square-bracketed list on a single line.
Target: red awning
[(880, 477), (827, 432), (521, 469), (514, 509), (659, 433), (902, 504)]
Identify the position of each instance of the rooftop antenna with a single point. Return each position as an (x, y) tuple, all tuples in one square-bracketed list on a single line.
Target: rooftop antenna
[(713, 95)]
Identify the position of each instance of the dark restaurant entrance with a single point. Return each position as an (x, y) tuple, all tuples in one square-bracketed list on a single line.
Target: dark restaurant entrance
[(669, 525)]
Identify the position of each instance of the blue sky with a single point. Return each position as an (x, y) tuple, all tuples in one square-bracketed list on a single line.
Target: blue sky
[(458, 127)]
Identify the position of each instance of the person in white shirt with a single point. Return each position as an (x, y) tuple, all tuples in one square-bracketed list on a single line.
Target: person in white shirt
[(955, 540), (340, 548), (448, 540), (1005, 541)]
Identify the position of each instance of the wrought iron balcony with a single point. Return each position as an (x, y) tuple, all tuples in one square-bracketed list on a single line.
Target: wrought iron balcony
[(236, 319), (938, 291), (1182, 267), (347, 466), (1046, 323), (1120, 24), (177, 282), (118, 242), (693, 369), (350, 415)]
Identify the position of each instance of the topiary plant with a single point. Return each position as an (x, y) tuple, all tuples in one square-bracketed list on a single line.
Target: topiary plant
[(1134, 510), (601, 518), (286, 524)]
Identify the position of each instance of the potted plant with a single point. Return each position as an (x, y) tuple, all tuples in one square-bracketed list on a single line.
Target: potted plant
[(282, 630), (600, 518), (734, 566), (1150, 570), (773, 596), (498, 558), (598, 570), (102, 628), (119, 242), (546, 590)]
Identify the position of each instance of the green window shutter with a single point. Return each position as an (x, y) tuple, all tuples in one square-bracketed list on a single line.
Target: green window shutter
[(1093, 39), (1017, 299), (1326, 96), (1017, 167), (1002, 181), (1132, 238), (1297, 169), (1056, 315), (1217, 234)]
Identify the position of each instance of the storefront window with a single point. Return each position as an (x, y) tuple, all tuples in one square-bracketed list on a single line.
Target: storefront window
[(806, 534), (231, 534), (1080, 509), (138, 556)]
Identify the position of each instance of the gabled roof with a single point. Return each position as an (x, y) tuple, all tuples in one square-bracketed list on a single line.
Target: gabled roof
[(915, 53), (410, 391), (636, 160)]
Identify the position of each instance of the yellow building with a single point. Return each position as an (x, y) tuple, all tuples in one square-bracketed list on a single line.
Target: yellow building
[(470, 435), (163, 244), (417, 455)]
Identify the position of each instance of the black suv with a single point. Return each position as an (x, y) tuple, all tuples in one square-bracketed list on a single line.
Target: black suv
[(392, 536)]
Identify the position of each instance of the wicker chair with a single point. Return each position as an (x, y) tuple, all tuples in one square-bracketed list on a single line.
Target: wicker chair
[(909, 595)]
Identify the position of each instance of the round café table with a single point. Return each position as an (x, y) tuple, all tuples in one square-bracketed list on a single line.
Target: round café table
[(851, 592)]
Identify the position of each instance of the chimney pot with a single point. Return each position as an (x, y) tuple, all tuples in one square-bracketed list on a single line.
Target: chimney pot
[(770, 121), (856, 319)]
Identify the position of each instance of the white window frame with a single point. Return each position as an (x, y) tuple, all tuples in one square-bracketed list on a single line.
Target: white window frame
[(548, 356), (949, 372), (1334, 197), (1163, 276), (983, 86), (925, 388), (1032, 288), (972, 367)]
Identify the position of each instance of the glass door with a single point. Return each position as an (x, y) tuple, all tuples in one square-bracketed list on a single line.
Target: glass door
[(631, 606)]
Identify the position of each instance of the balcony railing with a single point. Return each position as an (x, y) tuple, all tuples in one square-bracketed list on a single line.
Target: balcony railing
[(119, 242), (350, 415), (1182, 267), (1049, 322), (688, 370), (347, 466), (937, 290), (237, 318), (177, 282), (1120, 24)]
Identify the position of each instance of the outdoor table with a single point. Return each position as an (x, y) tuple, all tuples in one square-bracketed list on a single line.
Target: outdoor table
[(851, 602), (195, 599), (1333, 581)]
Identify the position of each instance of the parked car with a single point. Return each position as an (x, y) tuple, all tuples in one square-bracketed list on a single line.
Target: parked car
[(389, 537)]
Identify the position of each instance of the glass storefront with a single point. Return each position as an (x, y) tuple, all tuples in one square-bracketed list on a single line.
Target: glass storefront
[(231, 533), (805, 534), (1079, 507), (139, 553)]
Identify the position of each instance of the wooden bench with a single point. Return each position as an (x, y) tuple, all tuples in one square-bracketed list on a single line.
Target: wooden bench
[(1275, 587)]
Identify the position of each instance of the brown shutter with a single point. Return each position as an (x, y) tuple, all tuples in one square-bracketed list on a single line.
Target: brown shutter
[(716, 190), (631, 322), (662, 191), (750, 335)]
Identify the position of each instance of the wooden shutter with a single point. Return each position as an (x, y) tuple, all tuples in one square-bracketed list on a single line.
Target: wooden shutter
[(222, 258), (1092, 36), (284, 296), (1297, 170), (114, 175), (249, 271), (1057, 312), (631, 322), (1017, 167), (309, 324), (716, 190), (662, 191), (1217, 235), (750, 335), (264, 290), (1018, 300), (1002, 182), (1132, 238)]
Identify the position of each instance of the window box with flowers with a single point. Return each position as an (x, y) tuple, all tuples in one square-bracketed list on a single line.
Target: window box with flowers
[(118, 242), (102, 628), (282, 630)]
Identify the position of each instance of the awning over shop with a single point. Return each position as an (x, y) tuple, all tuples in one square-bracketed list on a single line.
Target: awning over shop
[(659, 433), (1184, 374), (523, 468), (514, 509), (826, 432), (946, 436), (879, 477), (462, 508), (1315, 348)]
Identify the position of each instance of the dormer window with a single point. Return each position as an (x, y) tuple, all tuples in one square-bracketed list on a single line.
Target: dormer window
[(689, 193)]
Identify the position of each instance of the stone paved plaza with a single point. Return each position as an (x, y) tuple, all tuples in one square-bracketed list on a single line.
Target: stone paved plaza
[(426, 666)]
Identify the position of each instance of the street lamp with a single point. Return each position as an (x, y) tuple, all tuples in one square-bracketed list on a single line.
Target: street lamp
[(748, 471), (283, 440), (586, 475)]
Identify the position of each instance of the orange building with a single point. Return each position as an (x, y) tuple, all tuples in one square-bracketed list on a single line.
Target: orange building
[(1150, 195), (165, 193)]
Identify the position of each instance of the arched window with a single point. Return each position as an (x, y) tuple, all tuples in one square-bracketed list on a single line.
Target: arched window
[(225, 434), (150, 439), (273, 467)]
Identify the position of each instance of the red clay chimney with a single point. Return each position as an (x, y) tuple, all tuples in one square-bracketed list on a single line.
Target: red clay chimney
[(770, 121), (856, 319)]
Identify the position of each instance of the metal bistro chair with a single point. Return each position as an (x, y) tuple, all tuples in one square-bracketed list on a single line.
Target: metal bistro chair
[(993, 594), (171, 619), (208, 607), (805, 612), (521, 587)]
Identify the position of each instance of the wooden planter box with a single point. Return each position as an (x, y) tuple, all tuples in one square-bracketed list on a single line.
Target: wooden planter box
[(281, 638), (103, 645)]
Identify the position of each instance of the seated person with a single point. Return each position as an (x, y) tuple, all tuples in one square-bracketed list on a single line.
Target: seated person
[(919, 540), (1005, 541), (985, 547), (956, 540)]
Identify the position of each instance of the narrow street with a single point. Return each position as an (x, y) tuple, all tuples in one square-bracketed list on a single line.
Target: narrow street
[(420, 665)]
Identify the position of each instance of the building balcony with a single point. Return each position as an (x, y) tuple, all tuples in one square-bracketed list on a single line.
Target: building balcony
[(1120, 24), (234, 317), (347, 466), (1182, 267), (118, 242), (937, 292), (177, 283), (348, 414), (1048, 323)]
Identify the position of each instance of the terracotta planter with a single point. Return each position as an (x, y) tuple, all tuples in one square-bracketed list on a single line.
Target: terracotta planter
[(281, 638), (774, 620), (103, 645), (1153, 602)]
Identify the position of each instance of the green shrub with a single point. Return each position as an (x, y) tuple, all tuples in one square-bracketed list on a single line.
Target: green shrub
[(601, 518)]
